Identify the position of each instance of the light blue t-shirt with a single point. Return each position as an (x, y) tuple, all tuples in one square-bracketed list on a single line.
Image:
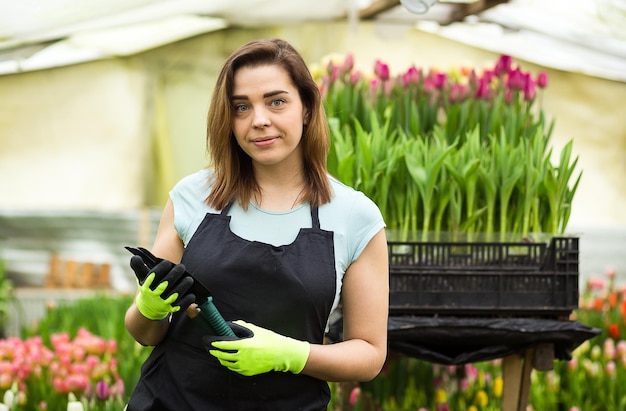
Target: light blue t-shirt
[(351, 216)]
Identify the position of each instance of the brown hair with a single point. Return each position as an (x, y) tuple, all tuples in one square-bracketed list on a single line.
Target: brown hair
[(233, 177)]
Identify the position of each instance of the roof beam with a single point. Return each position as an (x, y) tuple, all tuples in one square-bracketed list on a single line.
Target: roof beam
[(377, 7), (460, 10)]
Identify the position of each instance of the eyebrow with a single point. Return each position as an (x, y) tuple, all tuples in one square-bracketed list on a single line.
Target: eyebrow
[(266, 95)]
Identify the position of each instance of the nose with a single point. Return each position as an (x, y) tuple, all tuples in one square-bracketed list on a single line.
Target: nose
[(261, 119)]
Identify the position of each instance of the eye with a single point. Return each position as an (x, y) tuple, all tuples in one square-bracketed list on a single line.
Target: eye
[(240, 108), (277, 103)]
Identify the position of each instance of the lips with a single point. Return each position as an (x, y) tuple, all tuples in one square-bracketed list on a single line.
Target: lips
[(264, 141)]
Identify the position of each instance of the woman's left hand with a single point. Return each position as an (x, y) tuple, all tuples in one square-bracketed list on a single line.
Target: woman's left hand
[(264, 351)]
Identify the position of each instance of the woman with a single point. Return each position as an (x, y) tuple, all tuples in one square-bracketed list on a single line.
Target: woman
[(277, 241)]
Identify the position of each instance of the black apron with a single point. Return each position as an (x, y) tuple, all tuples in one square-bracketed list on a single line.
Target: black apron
[(288, 289)]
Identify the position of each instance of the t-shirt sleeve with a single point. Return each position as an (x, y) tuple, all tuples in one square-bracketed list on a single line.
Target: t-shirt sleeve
[(365, 221), (188, 197)]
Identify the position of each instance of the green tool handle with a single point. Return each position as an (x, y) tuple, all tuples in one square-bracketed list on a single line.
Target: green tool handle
[(211, 320)]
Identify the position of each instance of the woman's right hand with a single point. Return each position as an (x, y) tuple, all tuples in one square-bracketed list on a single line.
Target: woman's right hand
[(162, 290)]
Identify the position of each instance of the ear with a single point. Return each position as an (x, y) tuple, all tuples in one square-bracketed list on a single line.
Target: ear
[(307, 118)]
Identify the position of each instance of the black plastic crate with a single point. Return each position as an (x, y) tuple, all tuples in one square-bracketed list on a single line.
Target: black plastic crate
[(484, 278)]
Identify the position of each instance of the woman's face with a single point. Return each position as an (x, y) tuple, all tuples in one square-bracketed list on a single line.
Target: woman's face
[(268, 116)]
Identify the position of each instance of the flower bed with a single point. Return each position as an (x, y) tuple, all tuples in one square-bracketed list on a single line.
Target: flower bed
[(34, 376), (463, 151), (591, 380)]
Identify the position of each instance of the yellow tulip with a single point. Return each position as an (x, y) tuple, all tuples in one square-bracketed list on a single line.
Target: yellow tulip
[(481, 398), (440, 396), (498, 386)]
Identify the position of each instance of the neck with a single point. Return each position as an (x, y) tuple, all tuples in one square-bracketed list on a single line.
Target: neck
[(281, 194)]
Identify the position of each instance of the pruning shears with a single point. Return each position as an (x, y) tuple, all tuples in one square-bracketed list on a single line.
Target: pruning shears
[(209, 317)]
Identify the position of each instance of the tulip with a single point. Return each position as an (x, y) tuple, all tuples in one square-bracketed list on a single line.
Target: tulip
[(530, 88), (610, 368), (102, 390), (504, 64), (441, 396), (481, 399), (9, 397), (73, 404), (440, 80), (355, 77), (542, 79), (373, 87), (596, 352), (348, 64), (411, 76), (498, 387), (516, 80), (354, 396), (483, 91), (381, 70)]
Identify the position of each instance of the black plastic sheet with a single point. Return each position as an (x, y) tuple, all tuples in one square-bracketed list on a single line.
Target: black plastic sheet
[(459, 340)]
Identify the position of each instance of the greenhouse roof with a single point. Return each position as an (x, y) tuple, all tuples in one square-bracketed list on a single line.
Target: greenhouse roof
[(574, 35)]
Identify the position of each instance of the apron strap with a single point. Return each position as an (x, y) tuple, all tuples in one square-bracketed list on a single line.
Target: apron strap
[(225, 209), (315, 218)]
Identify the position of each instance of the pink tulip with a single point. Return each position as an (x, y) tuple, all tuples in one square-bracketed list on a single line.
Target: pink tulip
[(118, 389), (504, 64), (411, 76), (381, 70), (324, 86), (483, 91), (354, 396), (542, 79), (373, 87), (458, 93), (530, 87), (440, 80), (355, 76), (516, 80), (429, 86), (348, 64)]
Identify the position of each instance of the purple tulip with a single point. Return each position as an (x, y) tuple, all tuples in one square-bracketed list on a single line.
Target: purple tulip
[(102, 390)]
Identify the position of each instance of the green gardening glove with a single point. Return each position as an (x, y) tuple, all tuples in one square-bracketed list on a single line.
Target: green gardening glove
[(162, 290), (264, 351)]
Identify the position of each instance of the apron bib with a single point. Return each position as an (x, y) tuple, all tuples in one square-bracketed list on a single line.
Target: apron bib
[(288, 289)]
